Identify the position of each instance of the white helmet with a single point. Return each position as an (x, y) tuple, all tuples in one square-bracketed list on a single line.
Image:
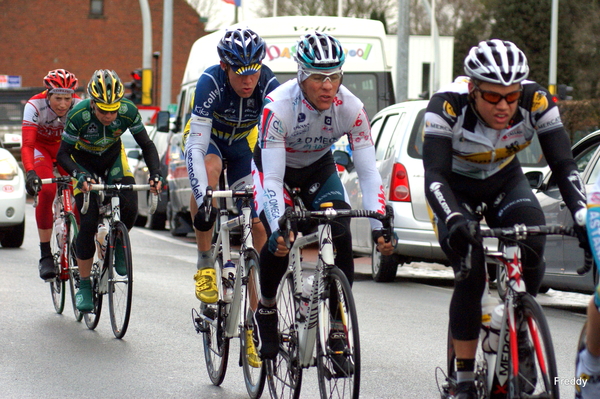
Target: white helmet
[(497, 61)]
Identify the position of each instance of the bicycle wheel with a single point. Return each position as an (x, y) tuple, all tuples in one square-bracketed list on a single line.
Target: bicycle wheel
[(216, 345), (284, 373), (537, 366), (338, 340), (72, 232), (254, 368), (57, 284), (92, 318), (120, 278)]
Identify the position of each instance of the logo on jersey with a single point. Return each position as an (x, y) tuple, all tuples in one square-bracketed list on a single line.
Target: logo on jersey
[(86, 116), (435, 189), (540, 102), (92, 128), (251, 103), (301, 117), (328, 120), (448, 110), (313, 189)]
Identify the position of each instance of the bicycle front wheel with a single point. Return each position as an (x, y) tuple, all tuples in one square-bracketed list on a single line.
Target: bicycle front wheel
[(120, 278), (92, 318), (284, 373), (57, 284), (338, 340), (536, 364), (72, 232), (254, 368), (216, 345)]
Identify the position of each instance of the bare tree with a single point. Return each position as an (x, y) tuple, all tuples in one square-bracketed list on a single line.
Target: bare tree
[(212, 11)]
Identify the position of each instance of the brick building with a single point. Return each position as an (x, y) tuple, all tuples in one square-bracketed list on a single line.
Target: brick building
[(82, 36)]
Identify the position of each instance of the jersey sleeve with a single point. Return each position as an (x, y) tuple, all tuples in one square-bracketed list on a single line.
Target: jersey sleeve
[(29, 135)]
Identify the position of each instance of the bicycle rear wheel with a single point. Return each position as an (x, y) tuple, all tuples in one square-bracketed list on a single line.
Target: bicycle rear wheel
[(284, 373), (120, 278), (57, 284), (254, 368), (338, 340), (92, 318), (537, 368), (216, 345), (72, 232)]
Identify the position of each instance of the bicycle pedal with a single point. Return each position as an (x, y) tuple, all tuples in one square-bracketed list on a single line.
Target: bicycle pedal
[(200, 326)]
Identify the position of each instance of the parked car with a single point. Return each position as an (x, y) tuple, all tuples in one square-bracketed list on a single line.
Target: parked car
[(160, 135), (397, 132), (12, 201), (563, 255)]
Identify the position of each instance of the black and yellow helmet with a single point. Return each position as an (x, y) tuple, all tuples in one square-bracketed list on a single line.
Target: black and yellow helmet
[(106, 89)]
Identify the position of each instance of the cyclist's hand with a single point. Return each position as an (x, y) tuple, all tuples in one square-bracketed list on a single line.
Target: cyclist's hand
[(33, 184), (202, 221), (580, 218), (277, 244), (83, 179), (459, 237), (156, 183), (385, 248)]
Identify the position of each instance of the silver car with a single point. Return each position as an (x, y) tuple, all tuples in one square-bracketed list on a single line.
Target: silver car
[(398, 135)]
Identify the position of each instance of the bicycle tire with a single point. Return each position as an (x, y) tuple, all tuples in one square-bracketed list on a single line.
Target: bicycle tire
[(254, 369), (284, 374), (72, 232), (57, 285), (216, 345), (120, 286), (541, 380), (92, 318), (338, 373)]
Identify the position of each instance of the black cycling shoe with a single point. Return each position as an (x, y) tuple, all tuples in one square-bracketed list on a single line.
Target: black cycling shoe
[(466, 390), (342, 366), (46, 268), (265, 335)]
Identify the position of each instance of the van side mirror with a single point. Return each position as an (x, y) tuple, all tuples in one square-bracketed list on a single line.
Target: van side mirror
[(162, 121), (342, 158), (535, 179)]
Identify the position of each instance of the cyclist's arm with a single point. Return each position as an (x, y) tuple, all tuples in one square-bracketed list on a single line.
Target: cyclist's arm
[(29, 137), (196, 146), (370, 182), (64, 159)]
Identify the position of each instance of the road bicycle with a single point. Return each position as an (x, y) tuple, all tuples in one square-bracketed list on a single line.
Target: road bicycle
[(330, 322), (231, 315), (62, 243), (502, 368), (104, 277)]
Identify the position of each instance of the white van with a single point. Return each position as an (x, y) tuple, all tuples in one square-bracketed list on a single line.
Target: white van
[(367, 73)]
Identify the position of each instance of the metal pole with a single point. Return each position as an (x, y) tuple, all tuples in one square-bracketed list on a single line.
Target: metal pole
[(147, 53), (435, 65), (402, 54), (553, 44), (167, 55)]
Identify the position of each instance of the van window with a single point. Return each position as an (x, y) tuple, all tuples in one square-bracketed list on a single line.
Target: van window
[(388, 126)]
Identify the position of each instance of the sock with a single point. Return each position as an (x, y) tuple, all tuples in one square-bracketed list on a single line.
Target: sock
[(465, 370), (45, 249), (85, 283), (590, 362), (203, 260)]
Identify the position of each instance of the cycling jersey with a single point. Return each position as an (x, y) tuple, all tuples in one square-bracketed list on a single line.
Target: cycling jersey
[(41, 138), (294, 135), (219, 112)]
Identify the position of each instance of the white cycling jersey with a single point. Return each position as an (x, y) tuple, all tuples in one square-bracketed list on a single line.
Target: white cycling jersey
[(294, 134)]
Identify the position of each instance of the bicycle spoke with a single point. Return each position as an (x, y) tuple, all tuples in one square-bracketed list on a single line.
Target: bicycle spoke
[(120, 279)]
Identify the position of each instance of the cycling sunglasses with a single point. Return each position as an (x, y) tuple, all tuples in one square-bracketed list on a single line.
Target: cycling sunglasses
[(333, 77), (494, 98)]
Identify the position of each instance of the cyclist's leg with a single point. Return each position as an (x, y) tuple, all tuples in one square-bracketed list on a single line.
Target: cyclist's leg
[(587, 372), (85, 249), (43, 212)]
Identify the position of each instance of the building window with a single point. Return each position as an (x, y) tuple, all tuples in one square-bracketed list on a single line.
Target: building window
[(96, 8)]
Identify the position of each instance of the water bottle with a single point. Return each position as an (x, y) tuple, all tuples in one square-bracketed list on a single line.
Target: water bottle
[(228, 281), (101, 240), (490, 344), (59, 230), (305, 298), (488, 303)]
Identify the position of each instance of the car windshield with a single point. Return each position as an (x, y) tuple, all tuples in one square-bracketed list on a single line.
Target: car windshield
[(128, 140)]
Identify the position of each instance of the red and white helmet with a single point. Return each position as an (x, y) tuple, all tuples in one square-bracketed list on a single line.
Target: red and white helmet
[(60, 81)]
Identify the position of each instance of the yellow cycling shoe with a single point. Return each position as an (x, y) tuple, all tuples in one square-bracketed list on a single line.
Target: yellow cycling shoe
[(253, 358), (206, 287)]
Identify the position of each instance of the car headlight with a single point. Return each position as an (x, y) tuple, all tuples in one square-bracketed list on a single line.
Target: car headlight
[(8, 169)]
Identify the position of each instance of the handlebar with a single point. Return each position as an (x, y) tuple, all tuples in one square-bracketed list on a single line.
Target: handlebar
[(52, 180), (117, 188), (246, 193)]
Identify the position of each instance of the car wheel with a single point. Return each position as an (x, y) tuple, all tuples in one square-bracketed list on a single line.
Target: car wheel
[(14, 238), (383, 268), (157, 221), (179, 227), (140, 221)]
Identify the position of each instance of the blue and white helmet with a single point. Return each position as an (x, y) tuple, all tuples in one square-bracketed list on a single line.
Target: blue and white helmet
[(243, 50), (320, 52), (497, 61)]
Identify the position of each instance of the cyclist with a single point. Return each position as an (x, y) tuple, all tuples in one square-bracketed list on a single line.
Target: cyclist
[(91, 147), (43, 121), (301, 120), (227, 103), (473, 129)]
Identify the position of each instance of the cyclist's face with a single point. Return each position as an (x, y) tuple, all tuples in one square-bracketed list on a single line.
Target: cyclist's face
[(60, 103), (499, 115), (320, 90), (243, 85), (105, 117)]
